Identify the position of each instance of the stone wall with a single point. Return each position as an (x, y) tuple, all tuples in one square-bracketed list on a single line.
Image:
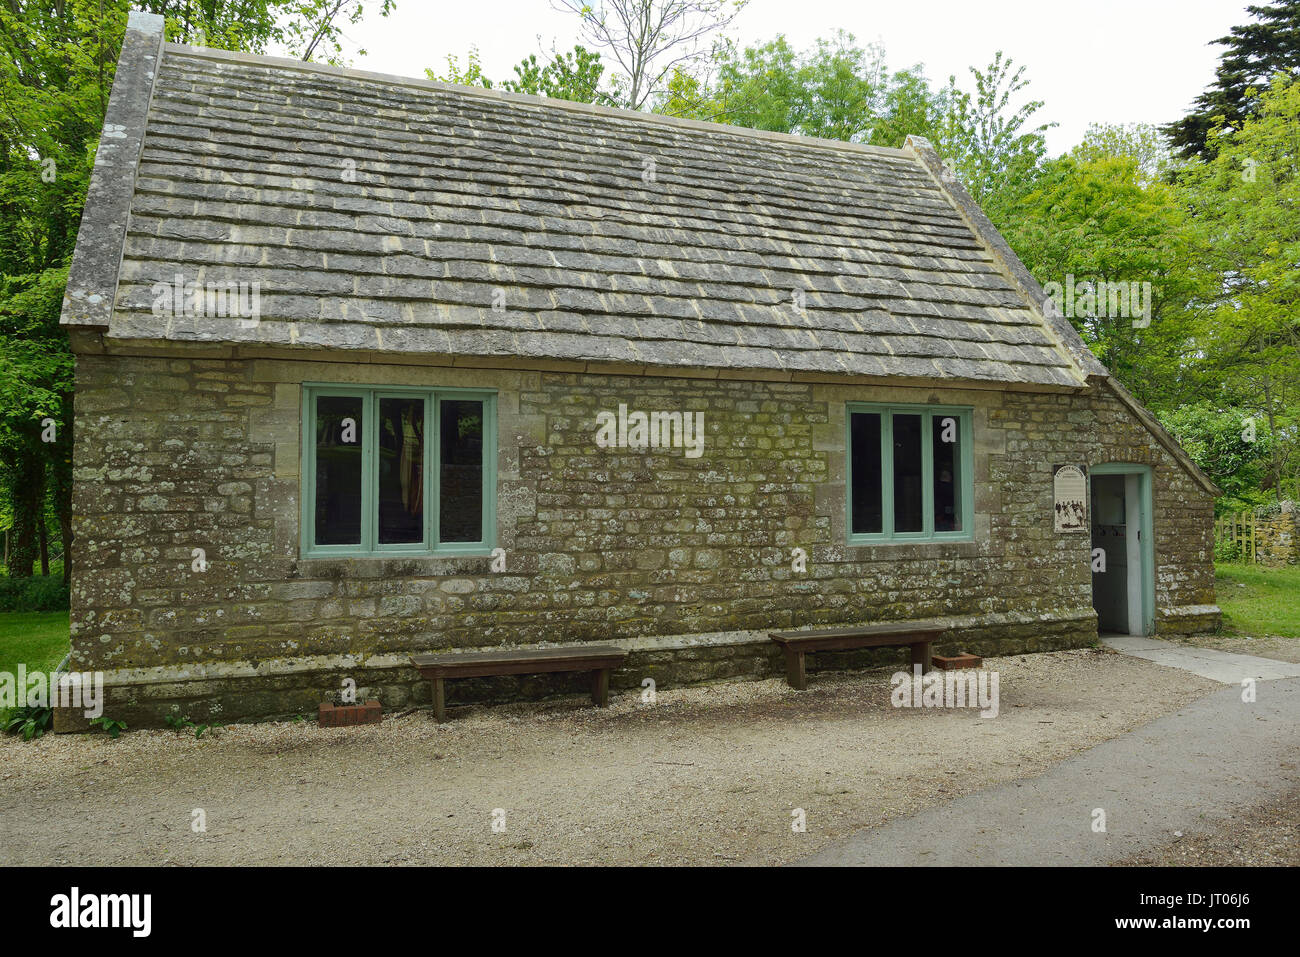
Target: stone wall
[(690, 558), (1277, 536)]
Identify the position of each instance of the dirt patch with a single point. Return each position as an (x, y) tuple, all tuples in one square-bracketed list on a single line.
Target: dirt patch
[(1263, 836), (704, 775)]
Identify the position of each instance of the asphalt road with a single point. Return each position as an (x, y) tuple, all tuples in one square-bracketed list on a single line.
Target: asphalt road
[(1183, 772)]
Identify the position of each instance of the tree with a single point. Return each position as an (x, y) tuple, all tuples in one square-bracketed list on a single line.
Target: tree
[(56, 73), (306, 29), (1234, 457), (575, 75), (1255, 53), (36, 379), (987, 140), (649, 39), (835, 90), (313, 29), (839, 90), (1093, 219), (471, 74), (1245, 213), (1142, 143)]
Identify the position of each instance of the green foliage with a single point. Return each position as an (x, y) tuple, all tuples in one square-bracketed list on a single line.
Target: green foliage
[(1255, 53), (1245, 236), (35, 362), (994, 151), (575, 75), (836, 90), (313, 29), (1091, 217), (1217, 441), (1140, 142), (471, 74), (1227, 552), (107, 724), (38, 593), (29, 721), (177, 723)]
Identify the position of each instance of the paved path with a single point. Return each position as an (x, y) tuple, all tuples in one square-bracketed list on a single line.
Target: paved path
[(1209, 663), (1181, 772)]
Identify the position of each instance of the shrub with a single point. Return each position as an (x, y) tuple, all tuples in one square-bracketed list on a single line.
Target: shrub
[(30, 722), (1227, 552), (39, 593)]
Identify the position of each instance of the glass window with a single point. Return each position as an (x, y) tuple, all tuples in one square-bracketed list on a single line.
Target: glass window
[(945, 440), (401, 470), (868, 514), (908, 509), (338, 469), (405, 471), (910, 473), (460, 479)]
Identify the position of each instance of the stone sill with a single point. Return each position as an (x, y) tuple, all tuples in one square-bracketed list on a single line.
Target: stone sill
[(391, 566)]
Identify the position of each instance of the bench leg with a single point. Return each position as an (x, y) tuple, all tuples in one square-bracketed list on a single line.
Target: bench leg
[(600, 688), (439, 700), (921, 655), (794, 670)]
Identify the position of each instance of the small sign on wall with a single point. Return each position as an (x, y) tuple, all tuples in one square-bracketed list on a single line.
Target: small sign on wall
[(1070, 492)]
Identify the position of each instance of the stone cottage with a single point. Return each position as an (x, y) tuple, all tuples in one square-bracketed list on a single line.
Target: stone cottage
[(369, 366)]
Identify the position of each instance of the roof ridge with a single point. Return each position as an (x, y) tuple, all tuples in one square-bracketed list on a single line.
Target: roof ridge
[(542, 102)]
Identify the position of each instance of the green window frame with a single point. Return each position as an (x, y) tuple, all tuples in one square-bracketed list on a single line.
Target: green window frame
[(431, 468), (964, 482)]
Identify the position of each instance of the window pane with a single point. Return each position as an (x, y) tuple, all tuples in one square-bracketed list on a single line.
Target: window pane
[(338, 470), (460, 478), (907, 473), (946, 442), (864, 429), (401, 471)]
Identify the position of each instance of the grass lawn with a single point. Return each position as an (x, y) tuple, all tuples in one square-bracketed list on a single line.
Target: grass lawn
[(1259, 601), (38, 639)]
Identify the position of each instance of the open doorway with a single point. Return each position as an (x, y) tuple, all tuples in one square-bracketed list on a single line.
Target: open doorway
[(1122, 563)]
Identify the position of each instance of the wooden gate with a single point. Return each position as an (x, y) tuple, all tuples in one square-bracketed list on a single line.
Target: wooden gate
[(1238, 528)]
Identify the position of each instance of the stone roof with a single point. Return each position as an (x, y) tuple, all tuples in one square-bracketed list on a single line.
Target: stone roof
[(391, 215)]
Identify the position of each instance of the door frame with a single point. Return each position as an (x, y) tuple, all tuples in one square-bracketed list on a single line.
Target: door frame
[(1146, 533)]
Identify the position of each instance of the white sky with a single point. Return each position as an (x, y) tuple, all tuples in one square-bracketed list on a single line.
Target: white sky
[(1114, 61)]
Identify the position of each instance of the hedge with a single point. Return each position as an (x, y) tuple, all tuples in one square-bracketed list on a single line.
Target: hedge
[(39, 593)]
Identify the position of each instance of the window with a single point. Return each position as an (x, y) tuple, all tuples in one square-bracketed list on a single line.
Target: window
[(397, 470), (910, 475)]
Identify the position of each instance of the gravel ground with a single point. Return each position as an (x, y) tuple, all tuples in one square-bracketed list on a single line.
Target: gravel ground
[(1263, 836), (706, 775)]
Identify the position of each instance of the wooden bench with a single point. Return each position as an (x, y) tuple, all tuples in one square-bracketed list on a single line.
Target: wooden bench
[(916, 634), (600, 659)]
